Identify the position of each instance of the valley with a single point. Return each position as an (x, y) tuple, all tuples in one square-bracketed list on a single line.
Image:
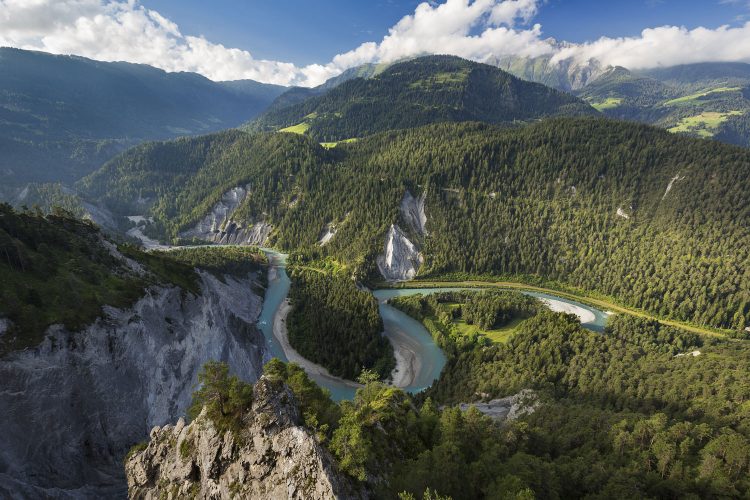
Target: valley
[(423, 279)]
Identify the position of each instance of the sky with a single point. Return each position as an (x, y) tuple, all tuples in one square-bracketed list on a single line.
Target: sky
[(303, 42)]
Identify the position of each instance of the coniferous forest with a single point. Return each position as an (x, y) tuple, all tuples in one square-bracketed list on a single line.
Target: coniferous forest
[(652, 220)]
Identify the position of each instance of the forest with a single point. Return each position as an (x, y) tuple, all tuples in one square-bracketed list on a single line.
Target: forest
[(624, 414), (619, 210), (337, 325)]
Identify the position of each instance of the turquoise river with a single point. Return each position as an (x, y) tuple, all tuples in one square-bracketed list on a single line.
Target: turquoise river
[(431, 358)]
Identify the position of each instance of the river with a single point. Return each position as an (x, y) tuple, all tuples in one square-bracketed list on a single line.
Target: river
[(420, 360)]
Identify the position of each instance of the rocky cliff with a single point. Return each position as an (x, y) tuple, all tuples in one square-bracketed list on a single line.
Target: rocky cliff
[(401, 257), (72, 407), (413, 212), (218, 226), (273, 456)]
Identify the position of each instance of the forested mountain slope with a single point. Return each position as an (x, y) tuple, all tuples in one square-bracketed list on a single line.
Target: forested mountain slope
[(704, 100), (417, 92), (62, 116), (654, 220)]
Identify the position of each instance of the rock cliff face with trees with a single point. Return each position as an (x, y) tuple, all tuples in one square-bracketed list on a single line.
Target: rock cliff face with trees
[(99, 343), (270, 454)]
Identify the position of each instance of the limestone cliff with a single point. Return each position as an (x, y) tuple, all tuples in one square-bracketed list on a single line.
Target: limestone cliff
[(219, 226), (413, 212), (400, 259), (72, 407), (272, 457)]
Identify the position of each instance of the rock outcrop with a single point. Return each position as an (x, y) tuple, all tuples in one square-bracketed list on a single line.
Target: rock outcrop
[(327, 234), (72, 407), (413, 212), (401, 258), (218, 226), (509, 408), (273, 456)]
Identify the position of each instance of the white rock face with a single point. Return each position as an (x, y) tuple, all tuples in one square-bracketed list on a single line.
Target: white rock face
[(71, 408), (99, 215), (412, 210), (691, 353), (671, 184), (327, 234), (219, 227), (401, 259)]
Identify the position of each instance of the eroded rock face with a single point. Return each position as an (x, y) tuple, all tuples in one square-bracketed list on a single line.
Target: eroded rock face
[(273, 457), (413, 212), (401, 258), (509, 408), (218, 226), (71, 408)]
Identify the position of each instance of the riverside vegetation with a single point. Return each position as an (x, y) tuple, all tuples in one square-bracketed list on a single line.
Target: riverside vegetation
[(621, 416)]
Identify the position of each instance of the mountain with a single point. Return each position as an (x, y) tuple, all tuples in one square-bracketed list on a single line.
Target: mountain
[(579, 201), (417, 92), (625, 95), (702, 74), (568, 75), (704, 100), (63, 116)]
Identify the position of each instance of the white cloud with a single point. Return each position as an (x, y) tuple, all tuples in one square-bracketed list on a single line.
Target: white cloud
[(482, 30), (666, 46), (126, 31)]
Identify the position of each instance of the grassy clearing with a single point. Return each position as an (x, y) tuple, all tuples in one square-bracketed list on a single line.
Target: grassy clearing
[(704, 125), (331, 145), (442, 79), (692, 97), (300, 128), (609, 103), (498, 335)]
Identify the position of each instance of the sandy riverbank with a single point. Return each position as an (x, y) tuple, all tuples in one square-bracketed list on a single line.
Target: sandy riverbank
[(584, 315), (405, 350)]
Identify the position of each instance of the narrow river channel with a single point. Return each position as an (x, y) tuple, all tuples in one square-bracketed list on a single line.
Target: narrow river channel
[(422, 360)]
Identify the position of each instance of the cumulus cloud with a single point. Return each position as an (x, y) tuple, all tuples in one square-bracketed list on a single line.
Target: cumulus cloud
[(666, 46), (126, 31), (481, 30)]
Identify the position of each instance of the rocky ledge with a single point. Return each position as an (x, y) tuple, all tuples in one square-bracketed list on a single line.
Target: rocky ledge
[(273, 456)]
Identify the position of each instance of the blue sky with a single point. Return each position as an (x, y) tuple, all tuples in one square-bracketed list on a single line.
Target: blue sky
[(303, 31)]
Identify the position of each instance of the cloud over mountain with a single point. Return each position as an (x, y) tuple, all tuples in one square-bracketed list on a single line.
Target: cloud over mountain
[(480, 30)]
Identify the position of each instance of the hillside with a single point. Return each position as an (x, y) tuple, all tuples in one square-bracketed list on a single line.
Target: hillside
[(418, 92), (580, 201), (63, 116), (702, 100)]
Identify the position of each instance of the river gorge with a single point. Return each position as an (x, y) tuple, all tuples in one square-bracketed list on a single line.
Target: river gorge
[(419, 360)]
